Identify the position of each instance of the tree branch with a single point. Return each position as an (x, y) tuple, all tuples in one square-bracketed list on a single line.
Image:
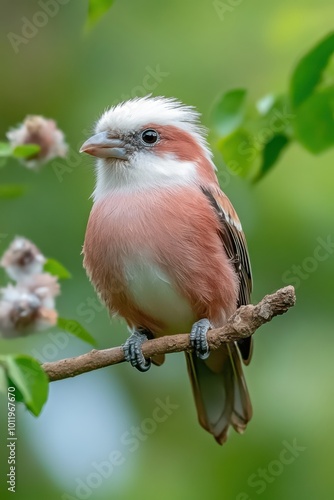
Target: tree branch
[(242, 324)]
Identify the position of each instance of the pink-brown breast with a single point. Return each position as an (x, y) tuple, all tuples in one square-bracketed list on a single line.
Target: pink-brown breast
[(177, 230)]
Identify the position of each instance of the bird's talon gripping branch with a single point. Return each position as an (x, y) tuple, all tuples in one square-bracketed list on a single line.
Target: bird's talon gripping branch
[(133, 353), (198, 338)]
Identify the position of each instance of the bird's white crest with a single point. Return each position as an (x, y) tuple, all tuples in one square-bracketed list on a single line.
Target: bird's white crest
[(138, 112)]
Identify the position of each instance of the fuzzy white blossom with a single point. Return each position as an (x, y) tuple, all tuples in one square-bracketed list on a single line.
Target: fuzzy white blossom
[(41, 131), (45, 287), (28, 307), (22, 259)]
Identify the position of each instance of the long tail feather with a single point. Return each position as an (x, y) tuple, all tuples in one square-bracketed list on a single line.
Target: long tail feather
[(220, 392)]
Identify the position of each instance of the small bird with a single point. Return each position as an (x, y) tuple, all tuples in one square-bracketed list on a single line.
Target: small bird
[(165, 250)]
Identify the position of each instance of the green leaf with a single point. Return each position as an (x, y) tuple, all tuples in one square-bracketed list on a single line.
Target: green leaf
[(314, 123), (72, 326), (5, 149), (29, 378), (308, 72), (239, 151), (266, 103), (271, 152), (229, 112), (55, 268), (26, 151), (8, 191), (276, 116), (3, 379), (96, 9)]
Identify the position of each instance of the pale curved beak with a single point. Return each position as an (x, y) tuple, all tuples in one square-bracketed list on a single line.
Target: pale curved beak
[(102, 146)]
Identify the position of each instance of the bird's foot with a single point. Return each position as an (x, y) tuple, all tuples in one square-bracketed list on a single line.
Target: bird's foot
[(198, 338), (132, 350)]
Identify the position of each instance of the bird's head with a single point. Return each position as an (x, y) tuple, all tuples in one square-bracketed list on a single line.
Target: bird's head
[(148, 142)]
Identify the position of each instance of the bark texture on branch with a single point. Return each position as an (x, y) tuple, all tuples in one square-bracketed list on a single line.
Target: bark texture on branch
[(243, 323)]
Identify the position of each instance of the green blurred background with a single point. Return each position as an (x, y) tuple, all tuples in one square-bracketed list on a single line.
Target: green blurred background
[(72, 77)]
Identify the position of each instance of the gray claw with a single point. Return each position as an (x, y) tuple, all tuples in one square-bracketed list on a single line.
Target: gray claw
[(133, 353), (198, 338)]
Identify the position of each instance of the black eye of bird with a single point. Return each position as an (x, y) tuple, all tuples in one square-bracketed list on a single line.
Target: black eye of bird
[(149, 136)]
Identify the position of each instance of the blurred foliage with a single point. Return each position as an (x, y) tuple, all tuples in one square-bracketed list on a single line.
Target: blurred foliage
[(29, 379), (96, 9), (24, 372), (252, 142), (5, 150), (55, 268), (195, 54), (18, 152), (75, 328), (11, 190), (22, 151)]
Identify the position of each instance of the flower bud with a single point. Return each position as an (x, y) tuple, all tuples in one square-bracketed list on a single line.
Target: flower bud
[(22, 259), (43, 132), (23, 312)]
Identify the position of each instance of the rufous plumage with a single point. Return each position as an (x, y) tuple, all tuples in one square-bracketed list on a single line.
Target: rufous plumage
[(165, 250)]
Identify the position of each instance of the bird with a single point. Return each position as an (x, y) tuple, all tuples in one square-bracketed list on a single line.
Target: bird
[(165, 250)]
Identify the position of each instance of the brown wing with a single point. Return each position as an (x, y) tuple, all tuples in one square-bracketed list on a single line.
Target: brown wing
[(235, 246)]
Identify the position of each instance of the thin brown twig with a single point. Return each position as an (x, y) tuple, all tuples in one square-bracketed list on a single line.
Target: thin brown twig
[(243, 323)]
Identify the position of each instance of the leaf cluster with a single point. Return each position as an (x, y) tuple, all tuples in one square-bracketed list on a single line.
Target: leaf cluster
[(252, 138)]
